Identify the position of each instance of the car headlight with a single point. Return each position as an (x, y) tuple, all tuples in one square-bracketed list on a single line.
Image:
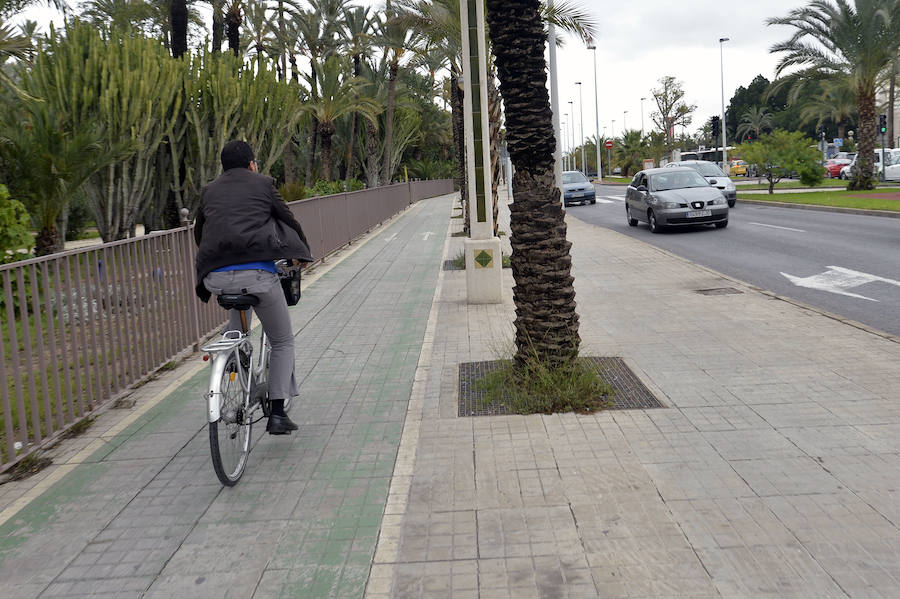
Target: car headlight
[(730, 187), (716, 201), (669, 204)]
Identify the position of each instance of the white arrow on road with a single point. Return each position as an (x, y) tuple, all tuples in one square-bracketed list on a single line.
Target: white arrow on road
[(391, 238), (838, 280), (426, 235)]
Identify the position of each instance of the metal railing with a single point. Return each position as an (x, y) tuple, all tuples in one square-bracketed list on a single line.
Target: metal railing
[(79, 328)]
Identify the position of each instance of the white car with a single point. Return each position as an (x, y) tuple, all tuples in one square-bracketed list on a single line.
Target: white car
[(891, 165), (714, 175)]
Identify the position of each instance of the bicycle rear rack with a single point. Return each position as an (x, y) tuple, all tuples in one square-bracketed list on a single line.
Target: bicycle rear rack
[(229, 340)]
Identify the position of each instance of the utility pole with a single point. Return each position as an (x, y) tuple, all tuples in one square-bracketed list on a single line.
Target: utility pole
[(581, 128)]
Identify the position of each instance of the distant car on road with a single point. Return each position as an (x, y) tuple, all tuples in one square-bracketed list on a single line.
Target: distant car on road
[(712, 172), (577, 189), (739, 167), (833, 167), (847, 171), (673, 196)]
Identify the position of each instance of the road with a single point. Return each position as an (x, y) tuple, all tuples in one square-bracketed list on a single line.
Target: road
[(847, 264)]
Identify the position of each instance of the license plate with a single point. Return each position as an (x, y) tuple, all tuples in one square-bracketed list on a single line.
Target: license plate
[(699, 213), (578, 194)]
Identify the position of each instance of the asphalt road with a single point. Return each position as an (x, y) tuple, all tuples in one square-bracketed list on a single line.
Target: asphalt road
[(847, 264)]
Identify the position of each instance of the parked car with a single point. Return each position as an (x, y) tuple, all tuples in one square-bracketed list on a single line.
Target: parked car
[(711, 172), (833, 167), (739, 167), (847, 171), (577, 189), (674, 196)]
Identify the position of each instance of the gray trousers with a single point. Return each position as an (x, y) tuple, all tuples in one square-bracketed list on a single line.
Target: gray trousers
[(273, 314)]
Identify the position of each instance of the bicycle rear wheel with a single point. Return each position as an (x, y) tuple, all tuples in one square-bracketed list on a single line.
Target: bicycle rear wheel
[(229, 436)]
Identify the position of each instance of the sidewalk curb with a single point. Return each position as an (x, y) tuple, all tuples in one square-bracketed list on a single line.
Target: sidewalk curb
[(886, 213)]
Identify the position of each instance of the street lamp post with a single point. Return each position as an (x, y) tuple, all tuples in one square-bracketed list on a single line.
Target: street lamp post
[(642, 116), (624, 127), (564, 125), (612, 130), (722, 40), (572, 147), (593, 48), (581, 128)]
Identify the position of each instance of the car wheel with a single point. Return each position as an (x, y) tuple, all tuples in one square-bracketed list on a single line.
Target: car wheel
[(731, 203), (722, 224), (594, 201), (632, 222), (651, 220)]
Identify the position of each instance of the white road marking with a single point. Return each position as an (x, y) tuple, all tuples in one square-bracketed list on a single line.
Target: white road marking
[(838, 280), (616, 198), (602, 201), (777, 227), (426, 235), (391, 238)]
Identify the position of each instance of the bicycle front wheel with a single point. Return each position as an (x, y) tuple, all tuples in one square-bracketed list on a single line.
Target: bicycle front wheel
[(229, 436)]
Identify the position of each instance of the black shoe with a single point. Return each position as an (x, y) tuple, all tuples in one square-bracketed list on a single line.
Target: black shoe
[(280, 425)]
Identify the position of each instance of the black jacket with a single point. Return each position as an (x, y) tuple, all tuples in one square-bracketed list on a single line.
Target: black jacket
[(242, 218)]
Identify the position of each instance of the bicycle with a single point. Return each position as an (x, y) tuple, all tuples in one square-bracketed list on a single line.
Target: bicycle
[(238, 390)]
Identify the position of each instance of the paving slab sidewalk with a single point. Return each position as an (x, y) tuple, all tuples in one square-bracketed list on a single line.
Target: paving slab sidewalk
[(773, 471)]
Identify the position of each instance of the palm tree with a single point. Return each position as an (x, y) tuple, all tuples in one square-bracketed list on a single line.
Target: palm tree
[(756, 120), (396, 37), (339, 96), (630, 151), (546, 322), (260, 31), (356, 33), (835, 102), (178, 12), (839, 39), (12, 45), (233, 19)]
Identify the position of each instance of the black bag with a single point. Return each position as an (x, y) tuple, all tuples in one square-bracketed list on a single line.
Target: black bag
[(290, 284)]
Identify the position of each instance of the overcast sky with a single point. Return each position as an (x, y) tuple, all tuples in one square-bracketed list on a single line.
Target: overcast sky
[(647, 40)]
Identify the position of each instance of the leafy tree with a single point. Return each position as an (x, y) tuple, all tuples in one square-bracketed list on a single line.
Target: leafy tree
[(15, 227), (671, 110), (778, 154), (546, 321), (745, 98), (834, 40)]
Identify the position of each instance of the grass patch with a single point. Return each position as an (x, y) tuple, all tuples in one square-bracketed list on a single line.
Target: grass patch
[(862, 200), (79, 427), (538, 388), (617, 179), (28, 466), (792, 184), (456, 216)]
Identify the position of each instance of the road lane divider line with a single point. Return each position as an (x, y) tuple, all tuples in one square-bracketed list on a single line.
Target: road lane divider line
[(777, 227)]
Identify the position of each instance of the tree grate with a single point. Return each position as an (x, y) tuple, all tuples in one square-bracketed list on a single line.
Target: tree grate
[(630, 392)]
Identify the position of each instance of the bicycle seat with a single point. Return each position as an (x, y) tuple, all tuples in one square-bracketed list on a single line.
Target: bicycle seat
[(235, 301)]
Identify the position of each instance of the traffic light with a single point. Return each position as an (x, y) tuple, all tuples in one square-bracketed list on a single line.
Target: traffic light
[(716, 127), (882, 123)]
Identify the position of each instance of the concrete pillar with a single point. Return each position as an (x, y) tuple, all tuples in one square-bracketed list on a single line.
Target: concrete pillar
[(484, 264)]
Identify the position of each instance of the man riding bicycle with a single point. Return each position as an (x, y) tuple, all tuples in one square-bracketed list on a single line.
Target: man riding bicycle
[(243, 226)]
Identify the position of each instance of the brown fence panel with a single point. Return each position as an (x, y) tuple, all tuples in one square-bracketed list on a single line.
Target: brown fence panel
[(80, 327)]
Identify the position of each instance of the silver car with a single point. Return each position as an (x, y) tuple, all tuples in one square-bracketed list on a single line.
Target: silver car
[(710, 171), (577, 189), (674, 196)]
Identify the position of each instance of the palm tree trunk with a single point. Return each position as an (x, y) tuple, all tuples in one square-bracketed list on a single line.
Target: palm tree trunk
[(218, 29), (862, 177), (389, 122), (178, 14), (233, 20), (350, 158), (326, 130), (546, 322), (314, 130), (47, 241), (495, 113), (456, 113), (371, 155)]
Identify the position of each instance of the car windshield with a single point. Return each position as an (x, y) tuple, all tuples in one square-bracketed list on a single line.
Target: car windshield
[(574, 177), (676, 180), (708, 169)]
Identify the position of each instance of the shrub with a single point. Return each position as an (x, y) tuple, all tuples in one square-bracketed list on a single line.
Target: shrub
[(15, 228)]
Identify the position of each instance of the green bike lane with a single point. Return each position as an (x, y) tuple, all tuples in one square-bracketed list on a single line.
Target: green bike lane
[(145, 515)]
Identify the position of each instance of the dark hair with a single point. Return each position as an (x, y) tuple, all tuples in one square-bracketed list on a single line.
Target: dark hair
[(236, 154)]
